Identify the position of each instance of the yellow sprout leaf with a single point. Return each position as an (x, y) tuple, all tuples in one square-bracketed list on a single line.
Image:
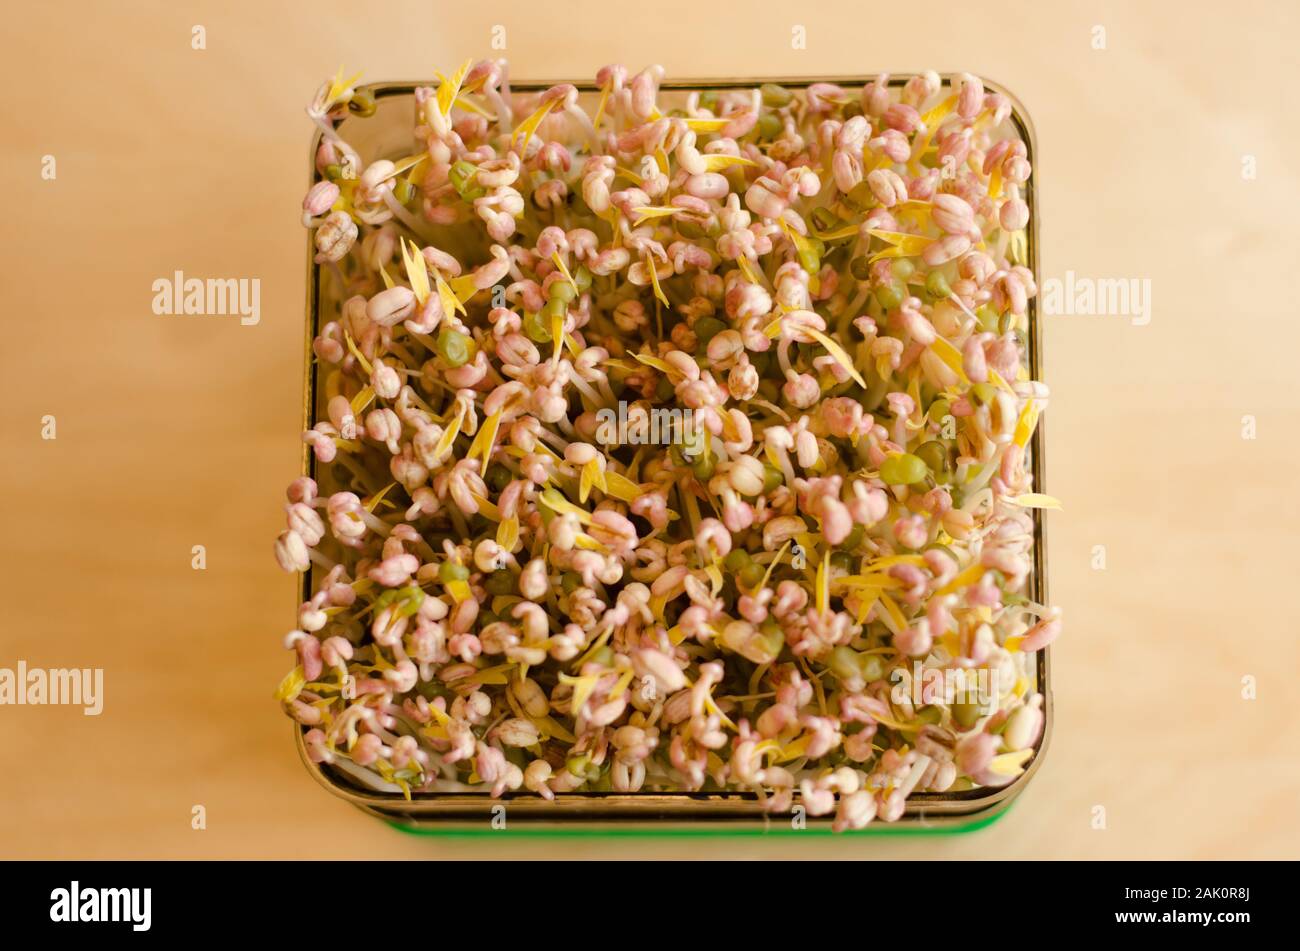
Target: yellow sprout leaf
[(767, 747), (486, 439), (660, 365), (963, 579), (654, 279), (647, 212), (508, 533), (463, 287), (361, 358), (450, 302), (590, 652), (291, 685), (836, 351), (544, 450), (362, 400), (714, 764), (1018, 249), (772, 566), (716, 580), (587, 543), (378, 497), (524, 133), (582, 690), (409, 163), (629, 174), (564, 270), (449, 89), (475, 86), (895, 613), (388, 281), (931, 120), (486, 508), (1010, 764), (800, 242), (441, 717), (706, 125), (549, 726), (911, 243), (557, 338), (1026, 424), (593, 476), (716, 163), (600, 109), (1036, 500), (449, 435), (794, 750), (469, 105), (773, 457), (890, 561), (867, 599), (892, 253), (416, 270), (339, 85), (747, 268), (838, 234), (808, 541), (901, 245), (824, 583), (516, 708), (434, 731), (556, 502), (869, 581), (711, 705), (621, 685), (881, 161), (621, 487), (497, 676), (895, 724), (951, 356)]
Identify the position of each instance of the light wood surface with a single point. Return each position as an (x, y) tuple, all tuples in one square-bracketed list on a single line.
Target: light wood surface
[(174, 431)]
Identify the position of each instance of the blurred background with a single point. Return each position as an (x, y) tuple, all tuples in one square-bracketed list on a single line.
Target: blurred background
[(1167, 152)]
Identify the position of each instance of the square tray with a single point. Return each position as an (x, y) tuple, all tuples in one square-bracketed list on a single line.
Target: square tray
[(387, 134)]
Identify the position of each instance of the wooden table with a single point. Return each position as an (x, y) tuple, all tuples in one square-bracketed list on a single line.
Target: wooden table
[(181, 431)]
